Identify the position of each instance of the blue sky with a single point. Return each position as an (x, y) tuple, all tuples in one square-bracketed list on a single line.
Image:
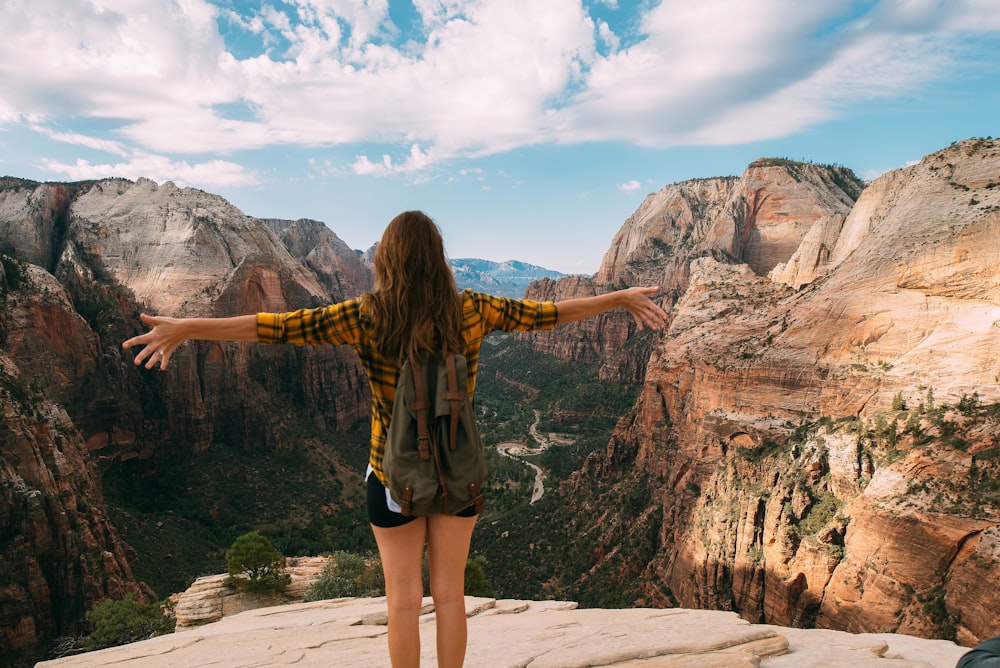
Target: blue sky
[(529, 129)]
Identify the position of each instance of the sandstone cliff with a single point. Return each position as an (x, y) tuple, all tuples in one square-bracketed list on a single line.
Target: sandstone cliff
[(759, 219), (81, 260), (58, 550), (120, 247), (338, 267), (800, 466)]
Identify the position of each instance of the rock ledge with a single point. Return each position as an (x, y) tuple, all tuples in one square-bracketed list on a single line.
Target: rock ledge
[(509, 634)]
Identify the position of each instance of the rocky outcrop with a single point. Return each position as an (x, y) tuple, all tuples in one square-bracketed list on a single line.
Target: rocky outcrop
[(770, 511), (120, 247), (212, 597), (58, 549), (351, 632), (759, 219), (31, 219), (60, 552), (338, 267)]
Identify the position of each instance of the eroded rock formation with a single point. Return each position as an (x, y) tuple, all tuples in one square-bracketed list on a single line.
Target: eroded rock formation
[(759, 219), (881, 518), (80, 261)]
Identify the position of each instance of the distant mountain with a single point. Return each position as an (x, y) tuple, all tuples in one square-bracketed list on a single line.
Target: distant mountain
[(506, 279)]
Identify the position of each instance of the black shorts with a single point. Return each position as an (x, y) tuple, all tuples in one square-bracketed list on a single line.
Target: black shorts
[(378, 508)]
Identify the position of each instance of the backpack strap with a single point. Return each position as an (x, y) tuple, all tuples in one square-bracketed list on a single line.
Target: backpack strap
[(420, 407), (452, 396), (426, 443)]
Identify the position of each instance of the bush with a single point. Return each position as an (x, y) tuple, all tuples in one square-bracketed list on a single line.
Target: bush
[(348, 575), (476, 583), (253, 556), (123, 621)]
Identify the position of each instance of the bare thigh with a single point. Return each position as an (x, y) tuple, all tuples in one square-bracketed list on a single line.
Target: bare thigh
[(448, 541)]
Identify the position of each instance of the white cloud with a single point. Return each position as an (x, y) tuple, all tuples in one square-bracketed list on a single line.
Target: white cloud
[(630, 186), (416, 161), (96, 143), (208, 174), (476, 77), (608, 37)]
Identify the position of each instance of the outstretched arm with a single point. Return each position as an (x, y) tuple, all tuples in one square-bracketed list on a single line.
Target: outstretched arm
[(168, 333), (635, 300)]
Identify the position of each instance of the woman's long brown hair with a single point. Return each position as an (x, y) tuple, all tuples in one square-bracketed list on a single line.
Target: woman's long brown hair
[(415, 304)]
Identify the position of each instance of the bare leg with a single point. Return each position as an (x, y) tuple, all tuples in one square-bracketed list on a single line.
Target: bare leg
[(401, 549), (448, 539)]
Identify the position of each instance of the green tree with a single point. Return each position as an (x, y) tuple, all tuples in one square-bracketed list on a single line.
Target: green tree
[(898, 403), (121, 621), (476, 583), (253, 556)]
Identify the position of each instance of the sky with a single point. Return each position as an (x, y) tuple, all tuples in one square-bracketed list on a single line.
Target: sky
[(528, 129)]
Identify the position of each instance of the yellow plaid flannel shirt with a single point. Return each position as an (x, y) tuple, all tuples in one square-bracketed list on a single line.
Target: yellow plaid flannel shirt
[(348, 323)]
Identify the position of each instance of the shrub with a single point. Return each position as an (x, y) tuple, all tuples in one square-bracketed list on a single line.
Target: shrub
[(253, 556), (348, 575), (123, 621), (476, 583)]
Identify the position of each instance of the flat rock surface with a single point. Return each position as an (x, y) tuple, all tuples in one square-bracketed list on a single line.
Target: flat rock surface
[(506, 633)]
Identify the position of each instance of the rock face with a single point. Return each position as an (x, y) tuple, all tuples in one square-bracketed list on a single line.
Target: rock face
[(791, 424), (58, 549), (119, 247), (337, 266), (80, 261), (759, 219), (351, 632)]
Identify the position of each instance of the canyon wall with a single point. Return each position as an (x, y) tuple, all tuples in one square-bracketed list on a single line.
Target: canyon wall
[(793, 422), (759, 219), (80, 262)]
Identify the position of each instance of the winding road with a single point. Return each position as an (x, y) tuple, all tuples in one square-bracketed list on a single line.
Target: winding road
[(518, 451)]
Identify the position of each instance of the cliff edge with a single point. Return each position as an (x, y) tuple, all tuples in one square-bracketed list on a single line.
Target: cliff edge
[(540, 634)]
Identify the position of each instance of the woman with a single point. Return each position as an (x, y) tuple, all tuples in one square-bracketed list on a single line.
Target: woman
[(415, 306)]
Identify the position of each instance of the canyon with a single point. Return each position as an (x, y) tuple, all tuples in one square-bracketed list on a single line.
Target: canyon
[(783, 475), (813, 443)]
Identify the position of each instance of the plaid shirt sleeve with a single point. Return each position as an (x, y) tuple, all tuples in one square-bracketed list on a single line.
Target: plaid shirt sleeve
[(509, 315), (337, 324), (482, 314)]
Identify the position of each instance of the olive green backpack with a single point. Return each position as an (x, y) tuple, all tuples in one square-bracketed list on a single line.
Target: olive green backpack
[(433, 453)]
